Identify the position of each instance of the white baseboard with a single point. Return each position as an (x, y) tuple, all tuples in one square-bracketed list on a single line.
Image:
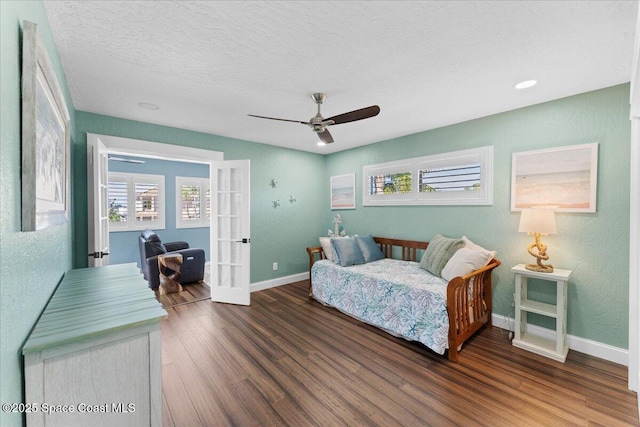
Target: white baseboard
[(582, 345), (266, 284), (272, 283)]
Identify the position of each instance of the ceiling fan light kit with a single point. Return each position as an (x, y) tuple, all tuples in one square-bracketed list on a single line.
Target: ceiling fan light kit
[(319, 124)]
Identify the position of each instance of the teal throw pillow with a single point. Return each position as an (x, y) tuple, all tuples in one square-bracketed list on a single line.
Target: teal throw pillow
[(369, 248), (347, 251), (438, 253), (334, 254)]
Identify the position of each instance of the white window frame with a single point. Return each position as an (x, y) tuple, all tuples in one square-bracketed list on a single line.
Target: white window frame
[(204, 184), (484, 196), (131, 179)]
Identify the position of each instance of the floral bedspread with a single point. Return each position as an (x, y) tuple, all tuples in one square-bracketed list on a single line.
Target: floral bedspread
[(394, 295)]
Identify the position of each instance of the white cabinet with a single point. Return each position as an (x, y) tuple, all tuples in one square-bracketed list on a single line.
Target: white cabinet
[(553, 348), (94, 356)]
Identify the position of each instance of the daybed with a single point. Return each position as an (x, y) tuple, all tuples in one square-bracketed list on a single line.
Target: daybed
[(396, 295)]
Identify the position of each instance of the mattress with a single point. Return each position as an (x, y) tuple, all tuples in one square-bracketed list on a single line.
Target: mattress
[(396, 296)]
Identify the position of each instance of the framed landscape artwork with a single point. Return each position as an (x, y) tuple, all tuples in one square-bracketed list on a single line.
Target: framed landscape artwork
[(564, 178), (343, 191), (45, 138)]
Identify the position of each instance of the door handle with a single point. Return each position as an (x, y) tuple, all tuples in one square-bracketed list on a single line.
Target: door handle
[(245, 240), (99, 254)]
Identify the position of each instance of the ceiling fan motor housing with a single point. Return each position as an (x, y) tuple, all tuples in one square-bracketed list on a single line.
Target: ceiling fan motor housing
[(318, 124)]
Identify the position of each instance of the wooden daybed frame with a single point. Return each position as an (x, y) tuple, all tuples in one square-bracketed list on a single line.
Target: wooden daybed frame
[(468, 311)]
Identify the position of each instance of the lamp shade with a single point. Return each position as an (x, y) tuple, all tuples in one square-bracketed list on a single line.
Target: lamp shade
[(538, 220)]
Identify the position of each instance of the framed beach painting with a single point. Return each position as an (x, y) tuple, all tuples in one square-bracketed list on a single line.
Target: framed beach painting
[(564, 178), (45, 138), (343, 191)]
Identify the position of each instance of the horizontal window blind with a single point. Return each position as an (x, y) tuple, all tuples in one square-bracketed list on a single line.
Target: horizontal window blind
[(193, 198), (118, 201), (136, 201), (456, 178)]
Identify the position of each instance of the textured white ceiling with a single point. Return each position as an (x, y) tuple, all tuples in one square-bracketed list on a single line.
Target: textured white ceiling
[(427, 64)]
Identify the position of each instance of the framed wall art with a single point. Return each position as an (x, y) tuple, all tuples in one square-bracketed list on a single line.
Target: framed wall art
[(343, 191), (564, 178), (45, 138)]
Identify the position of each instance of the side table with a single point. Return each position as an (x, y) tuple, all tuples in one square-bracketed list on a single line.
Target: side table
[(557, 348), (169, 266)]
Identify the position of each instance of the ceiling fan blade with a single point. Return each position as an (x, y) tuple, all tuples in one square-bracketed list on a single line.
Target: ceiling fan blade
[(122, 159), (325, 137), (352, 116), (282, 120)]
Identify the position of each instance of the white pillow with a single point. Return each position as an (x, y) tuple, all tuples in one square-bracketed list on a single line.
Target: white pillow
[(469, 244), (464, 261), (325, 242)]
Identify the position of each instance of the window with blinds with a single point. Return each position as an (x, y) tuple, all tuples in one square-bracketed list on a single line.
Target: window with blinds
[(136, 201), (190, 198), (391, 183), (456, 178), (147, 202), (118, 200), (193, 202)]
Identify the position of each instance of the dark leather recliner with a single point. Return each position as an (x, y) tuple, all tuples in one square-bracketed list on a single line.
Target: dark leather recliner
[(193, 260)]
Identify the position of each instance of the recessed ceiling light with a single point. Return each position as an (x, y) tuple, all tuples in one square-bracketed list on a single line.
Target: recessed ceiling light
[(321, 143), (148, 106), (526, 84)]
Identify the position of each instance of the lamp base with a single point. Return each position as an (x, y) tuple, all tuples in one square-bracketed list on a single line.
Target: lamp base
[(541, 268), (540, 255)]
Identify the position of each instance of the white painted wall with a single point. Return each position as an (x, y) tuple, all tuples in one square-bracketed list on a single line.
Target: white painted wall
[(634, 223)]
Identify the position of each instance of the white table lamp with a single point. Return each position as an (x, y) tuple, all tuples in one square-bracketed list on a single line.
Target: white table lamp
[(538, 222)]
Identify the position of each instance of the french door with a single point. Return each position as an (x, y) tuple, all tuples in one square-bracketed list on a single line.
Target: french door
[(230, 218), (97, 200)]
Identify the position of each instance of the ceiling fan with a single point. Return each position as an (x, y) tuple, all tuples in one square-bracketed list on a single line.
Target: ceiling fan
[(319, 124)]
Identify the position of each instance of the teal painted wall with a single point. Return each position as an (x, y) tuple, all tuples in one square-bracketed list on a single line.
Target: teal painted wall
[(277, 235), (31, 264), (593, 245), (123, 245)]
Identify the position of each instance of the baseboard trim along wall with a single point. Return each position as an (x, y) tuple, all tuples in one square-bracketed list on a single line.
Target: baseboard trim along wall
[(582, 345), (279, 281)]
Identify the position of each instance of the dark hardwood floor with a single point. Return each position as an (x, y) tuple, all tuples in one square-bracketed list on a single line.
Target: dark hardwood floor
[(192, 292), (286, 360)]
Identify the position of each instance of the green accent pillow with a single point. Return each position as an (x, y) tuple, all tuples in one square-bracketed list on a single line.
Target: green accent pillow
[(438, 253)]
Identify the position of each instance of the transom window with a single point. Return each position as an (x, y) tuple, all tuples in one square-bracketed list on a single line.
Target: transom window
[(390, 183), (456, 178)]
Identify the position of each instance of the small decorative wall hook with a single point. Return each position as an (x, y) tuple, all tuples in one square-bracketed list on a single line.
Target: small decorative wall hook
[(273, 183), (276, 203), (292, 199)]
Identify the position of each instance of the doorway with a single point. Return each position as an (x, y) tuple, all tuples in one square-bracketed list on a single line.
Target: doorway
[(236, 291)]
